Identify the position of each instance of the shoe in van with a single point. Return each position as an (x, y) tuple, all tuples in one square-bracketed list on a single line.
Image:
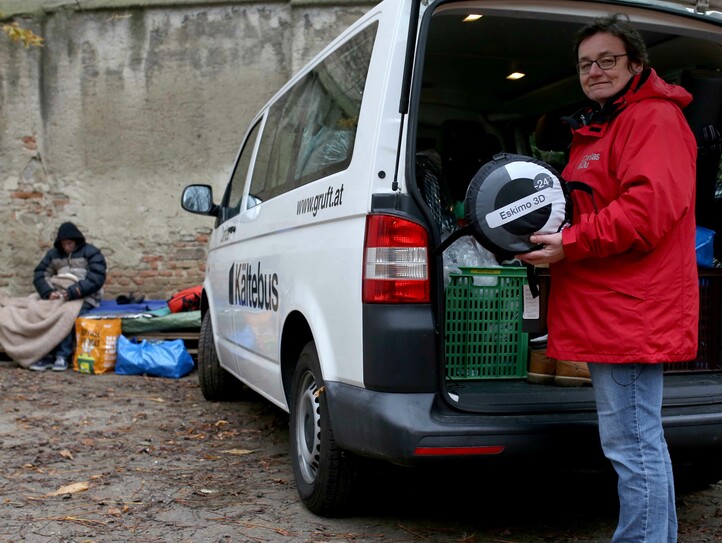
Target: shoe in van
[(572, 374)]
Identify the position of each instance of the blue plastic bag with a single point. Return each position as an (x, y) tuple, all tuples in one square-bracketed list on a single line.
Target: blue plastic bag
[(156, 358), (704, 243)]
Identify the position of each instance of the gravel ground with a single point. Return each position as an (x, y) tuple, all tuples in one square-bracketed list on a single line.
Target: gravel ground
[(91, 458)]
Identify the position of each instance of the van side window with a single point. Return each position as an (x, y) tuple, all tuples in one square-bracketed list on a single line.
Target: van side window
[(238, 179), (265, 147), (311, 130)]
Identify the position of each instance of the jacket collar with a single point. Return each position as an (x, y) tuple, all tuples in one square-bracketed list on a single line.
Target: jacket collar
[(601, 115)]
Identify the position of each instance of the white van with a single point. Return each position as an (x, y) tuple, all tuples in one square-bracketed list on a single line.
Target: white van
[(325, 288)]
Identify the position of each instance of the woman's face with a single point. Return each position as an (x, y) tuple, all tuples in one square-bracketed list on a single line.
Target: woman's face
[(600, 85)]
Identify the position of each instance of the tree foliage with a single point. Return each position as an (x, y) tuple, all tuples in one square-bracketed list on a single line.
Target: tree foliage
[(18, 34)]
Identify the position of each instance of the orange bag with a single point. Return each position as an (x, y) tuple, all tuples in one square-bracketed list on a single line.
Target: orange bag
[(96, 342), (188, 299)]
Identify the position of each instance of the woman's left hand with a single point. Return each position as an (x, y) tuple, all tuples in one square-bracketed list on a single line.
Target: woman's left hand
[(552, 249)]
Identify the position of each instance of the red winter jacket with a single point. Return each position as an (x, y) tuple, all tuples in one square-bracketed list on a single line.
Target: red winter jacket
[(627, 290)]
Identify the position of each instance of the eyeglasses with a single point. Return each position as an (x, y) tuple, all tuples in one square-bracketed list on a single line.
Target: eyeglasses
[(605, 63)]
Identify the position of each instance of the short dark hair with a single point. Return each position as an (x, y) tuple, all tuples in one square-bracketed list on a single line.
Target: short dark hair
[(616, 24)]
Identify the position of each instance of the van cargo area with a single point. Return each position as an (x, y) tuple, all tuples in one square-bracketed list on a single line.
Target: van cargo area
[(496, 77)]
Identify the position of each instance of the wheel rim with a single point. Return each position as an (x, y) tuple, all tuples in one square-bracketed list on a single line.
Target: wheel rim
[(308, 429)]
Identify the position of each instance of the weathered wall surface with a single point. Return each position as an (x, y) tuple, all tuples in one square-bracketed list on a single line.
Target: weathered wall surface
[(127, 103)]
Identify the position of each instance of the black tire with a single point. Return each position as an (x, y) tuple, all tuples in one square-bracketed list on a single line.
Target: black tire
[(325, 475), (217, 385)]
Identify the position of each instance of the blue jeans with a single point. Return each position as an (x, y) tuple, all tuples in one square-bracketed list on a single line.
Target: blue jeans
[(629, 408)]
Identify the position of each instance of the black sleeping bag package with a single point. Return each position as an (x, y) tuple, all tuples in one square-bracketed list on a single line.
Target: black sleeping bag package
[(512, 197)]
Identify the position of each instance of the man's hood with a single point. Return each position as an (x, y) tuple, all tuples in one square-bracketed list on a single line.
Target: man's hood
[(68, 230)]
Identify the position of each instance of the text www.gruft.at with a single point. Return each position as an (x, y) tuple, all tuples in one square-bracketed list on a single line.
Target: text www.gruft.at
[(331, 198)]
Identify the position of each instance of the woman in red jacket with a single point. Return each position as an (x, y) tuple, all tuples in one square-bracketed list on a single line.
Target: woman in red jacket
[(624, 294)]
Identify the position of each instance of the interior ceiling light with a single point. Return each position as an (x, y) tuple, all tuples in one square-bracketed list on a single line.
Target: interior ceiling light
[(515, 75), (472, 17)]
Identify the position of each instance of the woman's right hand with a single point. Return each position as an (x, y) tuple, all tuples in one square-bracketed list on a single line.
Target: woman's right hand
[(551, 249)]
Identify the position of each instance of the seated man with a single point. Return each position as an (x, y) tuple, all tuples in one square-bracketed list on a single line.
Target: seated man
[(72, 257)]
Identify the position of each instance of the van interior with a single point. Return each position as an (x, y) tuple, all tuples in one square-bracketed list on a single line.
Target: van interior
[(469, 106)]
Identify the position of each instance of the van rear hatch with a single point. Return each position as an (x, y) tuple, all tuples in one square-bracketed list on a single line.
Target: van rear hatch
[(485, 74)]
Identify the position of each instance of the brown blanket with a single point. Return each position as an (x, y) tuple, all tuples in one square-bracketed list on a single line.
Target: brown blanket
[(30, 328)]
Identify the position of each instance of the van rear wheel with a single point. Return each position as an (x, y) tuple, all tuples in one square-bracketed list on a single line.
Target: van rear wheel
[(324, 473), (217, 384)]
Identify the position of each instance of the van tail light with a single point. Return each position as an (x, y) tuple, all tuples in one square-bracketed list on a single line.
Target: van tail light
[(396, 268)]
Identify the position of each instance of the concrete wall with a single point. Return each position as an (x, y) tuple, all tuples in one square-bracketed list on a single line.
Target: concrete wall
[(127, 103)]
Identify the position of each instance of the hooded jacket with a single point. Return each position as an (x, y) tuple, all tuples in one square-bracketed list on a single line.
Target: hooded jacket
[(628, 290), (86, 263)]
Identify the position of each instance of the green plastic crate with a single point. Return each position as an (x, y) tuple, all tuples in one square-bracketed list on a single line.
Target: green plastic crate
[(484, 338)]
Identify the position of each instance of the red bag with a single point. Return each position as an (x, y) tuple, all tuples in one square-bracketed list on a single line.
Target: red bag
[(188, 299)]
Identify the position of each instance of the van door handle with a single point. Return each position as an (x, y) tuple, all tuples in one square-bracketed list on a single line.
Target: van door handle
[(231, 230)]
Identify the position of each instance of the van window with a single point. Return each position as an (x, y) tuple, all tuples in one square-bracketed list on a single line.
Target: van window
[(310, 131), (238, 179)]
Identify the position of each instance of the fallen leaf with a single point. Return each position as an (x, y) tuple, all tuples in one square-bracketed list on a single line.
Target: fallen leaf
[(69, 489), (114, 511), (238, 452), (221, 422), (207, 491), (66, 454), (159, 400), (225, 435)]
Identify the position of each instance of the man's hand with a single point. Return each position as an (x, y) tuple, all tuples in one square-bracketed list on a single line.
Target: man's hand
[(58, 295)]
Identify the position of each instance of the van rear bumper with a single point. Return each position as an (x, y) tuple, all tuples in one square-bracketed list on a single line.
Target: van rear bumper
[(411, 429)]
